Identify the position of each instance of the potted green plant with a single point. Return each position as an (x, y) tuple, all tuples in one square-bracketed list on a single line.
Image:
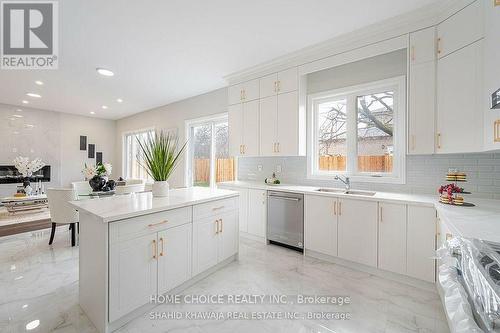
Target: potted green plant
[(159, 155)]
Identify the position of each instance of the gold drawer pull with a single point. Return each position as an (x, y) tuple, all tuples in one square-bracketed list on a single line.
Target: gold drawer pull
[(217, 208), (496, 131), (221, 225), (156, 224), (216, 227)]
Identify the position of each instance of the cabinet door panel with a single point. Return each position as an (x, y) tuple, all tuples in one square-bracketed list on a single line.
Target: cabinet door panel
[(174, 257), (288, 124), (421, 242), (422, 108), (268, 85), (357, 231), (250, 90), (235, 127), (234, 94), (243, 209), (228, 236), (423, 46), (461, 29), (205, 241), (460, 107), (132, 274), (257, 212), (392, 237), (320, 224), (288, 80), (268, 125), (251, 128)]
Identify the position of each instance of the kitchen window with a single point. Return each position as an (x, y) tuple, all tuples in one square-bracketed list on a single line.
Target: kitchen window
[(208, 160), (359, 132), (132, 169)]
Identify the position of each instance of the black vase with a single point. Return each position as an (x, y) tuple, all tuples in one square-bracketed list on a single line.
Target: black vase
[(97, 183)]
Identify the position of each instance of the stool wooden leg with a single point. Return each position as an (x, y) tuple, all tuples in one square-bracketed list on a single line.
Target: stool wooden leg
[(72, 234), (52, 233)]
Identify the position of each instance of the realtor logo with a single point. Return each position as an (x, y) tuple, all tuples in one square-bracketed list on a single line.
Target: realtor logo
[(29, 34)]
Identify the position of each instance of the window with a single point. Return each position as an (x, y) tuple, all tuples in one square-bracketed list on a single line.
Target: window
[(208, 152), (131, 165), (359, 131)]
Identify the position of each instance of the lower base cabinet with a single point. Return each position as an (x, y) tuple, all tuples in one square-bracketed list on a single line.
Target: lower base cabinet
[(357, 231), (392, 237), (257, 212), (320, 234), (421, 243), (215, 239)]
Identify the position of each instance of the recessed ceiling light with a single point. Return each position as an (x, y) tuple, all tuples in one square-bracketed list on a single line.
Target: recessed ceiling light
[(32, 325), (33, 95), (15, 132), (29, 125), (104, 107), (104, 72), (40, 83), (92, 112), (25, 102), (25, 306), (19, 110), (119, 100), (17, 115)]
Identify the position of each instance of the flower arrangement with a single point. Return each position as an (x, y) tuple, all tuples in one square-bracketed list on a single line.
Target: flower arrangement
[(100, 170), (27, 167)]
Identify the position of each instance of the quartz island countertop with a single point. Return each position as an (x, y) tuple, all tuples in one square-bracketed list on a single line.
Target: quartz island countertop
[(481, 221), (121, 207)]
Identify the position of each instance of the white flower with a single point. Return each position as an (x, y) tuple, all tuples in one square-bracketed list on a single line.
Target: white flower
[(89, 171), (27, 168), (108, 168)]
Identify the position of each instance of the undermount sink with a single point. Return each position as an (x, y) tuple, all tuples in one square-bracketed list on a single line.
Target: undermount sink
[(351, 192)]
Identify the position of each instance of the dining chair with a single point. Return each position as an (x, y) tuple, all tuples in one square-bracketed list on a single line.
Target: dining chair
[(81, 187), (61, 212)]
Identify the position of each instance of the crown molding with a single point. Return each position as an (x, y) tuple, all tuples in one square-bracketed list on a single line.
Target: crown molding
[(397, 26)]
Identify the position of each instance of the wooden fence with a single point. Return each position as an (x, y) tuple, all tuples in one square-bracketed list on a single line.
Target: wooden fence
[(365, 163), (224, 170)]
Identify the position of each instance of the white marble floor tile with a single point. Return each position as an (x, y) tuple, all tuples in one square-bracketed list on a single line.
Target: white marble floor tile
[(40, 283)]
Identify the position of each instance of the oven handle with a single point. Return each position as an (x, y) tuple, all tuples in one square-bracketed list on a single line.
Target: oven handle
[(284, 198)]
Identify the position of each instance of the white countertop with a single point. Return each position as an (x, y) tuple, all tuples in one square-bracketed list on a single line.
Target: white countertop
[(481, 221), (121, 207)]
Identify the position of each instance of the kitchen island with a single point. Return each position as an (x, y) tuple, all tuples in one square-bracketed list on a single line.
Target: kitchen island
[(134, 247)]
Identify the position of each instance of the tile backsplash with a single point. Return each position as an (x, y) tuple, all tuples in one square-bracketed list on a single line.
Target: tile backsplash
[(424, 173)]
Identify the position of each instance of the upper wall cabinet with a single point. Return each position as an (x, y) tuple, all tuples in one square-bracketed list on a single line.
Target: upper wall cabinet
[(422, 92), (279, 83), (243, 92), (461, 29), (243, 120)]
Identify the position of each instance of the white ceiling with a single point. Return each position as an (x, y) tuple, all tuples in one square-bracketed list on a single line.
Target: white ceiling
[(165, 51)]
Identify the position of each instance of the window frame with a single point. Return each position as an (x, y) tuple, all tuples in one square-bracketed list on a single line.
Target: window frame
[(125, 148), (188, 160), (398, 174)]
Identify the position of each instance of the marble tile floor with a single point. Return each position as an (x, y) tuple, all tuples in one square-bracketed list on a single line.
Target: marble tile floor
[(39, 290)]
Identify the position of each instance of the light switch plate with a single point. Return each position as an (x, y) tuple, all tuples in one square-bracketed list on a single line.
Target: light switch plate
[(278, 168), (259, 167)]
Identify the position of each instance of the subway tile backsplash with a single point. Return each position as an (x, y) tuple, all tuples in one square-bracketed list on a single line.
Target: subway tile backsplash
[(424, 173)]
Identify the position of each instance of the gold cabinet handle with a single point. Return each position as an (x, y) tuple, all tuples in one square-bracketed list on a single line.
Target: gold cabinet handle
[(279, 85), (278, 145), (412, 53), (216, 227), (496, 131), (218, 208), (340, 208), (241, 95), (157, 224), (161, 251), (221, 225), (155, 250), (275, 86), (439, 45), (335, 208), (381, 215), (413, 140), (439, 140), (244, 148)]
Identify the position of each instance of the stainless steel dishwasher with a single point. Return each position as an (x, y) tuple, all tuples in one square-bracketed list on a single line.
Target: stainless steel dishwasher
[(285, 219)]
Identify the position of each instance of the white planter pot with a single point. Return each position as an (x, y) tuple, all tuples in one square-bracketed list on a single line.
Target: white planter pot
[(160, 189)]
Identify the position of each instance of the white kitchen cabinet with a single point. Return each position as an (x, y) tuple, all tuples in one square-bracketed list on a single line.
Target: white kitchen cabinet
[(460, 29), (320, 229), (132, 274), (287, 136), (268, 85), (243, 92), (174, 257), (257, 212), (205, 244), (422, 92), (423, 46), (357, 231), (268, 125), (288, 80), (421, 242), (243, 120), (228, 236), (460, 104), (392, 237), (234, 94)]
